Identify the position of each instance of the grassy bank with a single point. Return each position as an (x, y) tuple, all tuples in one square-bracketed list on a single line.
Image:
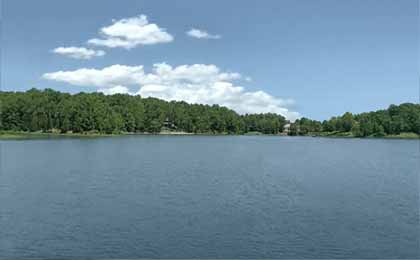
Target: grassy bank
[(36, 135), (404, 136), (16, 135), (351, 135)]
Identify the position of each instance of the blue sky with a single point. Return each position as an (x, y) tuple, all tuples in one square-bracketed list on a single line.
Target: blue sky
[(317, 58)]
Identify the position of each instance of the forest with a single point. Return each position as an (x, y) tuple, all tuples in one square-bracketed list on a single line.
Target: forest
[(395, 120), (52, 111)]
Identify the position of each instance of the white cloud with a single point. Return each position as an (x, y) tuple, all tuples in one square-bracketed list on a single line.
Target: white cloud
[(78, 52), (195, 74), (131, 32), (106, 78), (197, 83), (200, 34), (114, 90)]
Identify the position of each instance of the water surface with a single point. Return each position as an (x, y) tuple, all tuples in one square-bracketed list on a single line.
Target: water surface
[(210, 197)]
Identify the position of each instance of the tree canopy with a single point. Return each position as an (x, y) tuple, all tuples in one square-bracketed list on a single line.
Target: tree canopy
[(404, 118), (47, 110)]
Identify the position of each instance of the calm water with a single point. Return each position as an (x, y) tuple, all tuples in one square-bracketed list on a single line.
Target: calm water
[(210, 197)]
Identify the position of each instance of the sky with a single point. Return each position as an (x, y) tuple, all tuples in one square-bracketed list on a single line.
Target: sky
[(311, 58)]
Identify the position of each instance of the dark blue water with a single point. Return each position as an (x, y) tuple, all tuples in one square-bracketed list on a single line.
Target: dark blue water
[(210, 197)]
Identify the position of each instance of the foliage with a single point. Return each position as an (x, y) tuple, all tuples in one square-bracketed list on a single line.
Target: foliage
[(393, 121), (50, 110)]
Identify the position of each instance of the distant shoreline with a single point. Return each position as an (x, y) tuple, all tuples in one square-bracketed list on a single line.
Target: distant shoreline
[(350, 135), (17, 135), (36, 135)]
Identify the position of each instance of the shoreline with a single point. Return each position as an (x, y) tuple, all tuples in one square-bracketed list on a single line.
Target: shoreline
[(16, 135), (4, 135), (408, 135)]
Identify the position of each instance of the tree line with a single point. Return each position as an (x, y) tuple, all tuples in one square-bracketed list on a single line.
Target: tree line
[(49, 110), (404, 118)]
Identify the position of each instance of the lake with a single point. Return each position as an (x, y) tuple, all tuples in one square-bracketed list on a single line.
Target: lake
[(210, 197)]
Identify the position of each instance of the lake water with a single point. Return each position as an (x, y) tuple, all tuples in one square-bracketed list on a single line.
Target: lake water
[(210, 197)]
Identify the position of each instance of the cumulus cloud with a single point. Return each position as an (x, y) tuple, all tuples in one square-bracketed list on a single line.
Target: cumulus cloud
[(115, 90), (131, 32), (200, 34), (78, 52), (197, 83), (106, 78)]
